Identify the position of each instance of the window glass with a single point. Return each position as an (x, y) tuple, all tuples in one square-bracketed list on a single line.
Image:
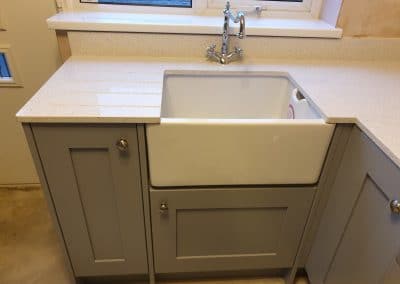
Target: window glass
[(164, 3), (4, 69)]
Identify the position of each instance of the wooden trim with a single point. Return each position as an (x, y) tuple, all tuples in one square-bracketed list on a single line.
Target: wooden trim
[(63, 44)]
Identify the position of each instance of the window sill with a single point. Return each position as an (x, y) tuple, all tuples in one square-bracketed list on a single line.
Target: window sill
[(188, 24), (8, 82)]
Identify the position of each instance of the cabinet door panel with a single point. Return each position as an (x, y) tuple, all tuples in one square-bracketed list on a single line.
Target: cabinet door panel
[(231, 227), (228, 229), (100, 207), (358, 235), (97, 194), (370, 240)]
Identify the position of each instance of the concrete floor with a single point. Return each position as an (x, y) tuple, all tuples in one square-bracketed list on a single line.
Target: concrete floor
[(30, 252)]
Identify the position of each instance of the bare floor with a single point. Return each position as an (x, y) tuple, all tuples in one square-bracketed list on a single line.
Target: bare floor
[(29, 249)]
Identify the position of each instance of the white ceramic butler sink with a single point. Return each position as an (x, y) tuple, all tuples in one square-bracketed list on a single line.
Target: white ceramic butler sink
[(235, 128)]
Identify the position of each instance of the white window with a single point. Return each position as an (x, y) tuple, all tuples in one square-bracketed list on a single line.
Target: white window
[(276, 4), (291, 18), (160, 3), (280, 8)]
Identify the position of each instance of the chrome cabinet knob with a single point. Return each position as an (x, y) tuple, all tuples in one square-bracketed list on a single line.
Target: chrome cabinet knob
[(164, 208), (395, 206), (122, 145)]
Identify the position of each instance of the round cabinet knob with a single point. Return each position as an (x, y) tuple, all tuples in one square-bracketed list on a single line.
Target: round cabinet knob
[(122, 145), (395, 206), (164, 208)]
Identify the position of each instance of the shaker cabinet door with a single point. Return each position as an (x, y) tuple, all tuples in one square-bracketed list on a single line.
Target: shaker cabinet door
[(359, 237), (94, 181), (199, 230)]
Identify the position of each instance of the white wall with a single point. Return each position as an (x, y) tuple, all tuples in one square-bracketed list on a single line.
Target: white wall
[(35, 52)]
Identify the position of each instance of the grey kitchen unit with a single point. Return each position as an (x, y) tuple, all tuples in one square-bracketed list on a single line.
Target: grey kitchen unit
[(94, 181), (358, 240), (113, 223)]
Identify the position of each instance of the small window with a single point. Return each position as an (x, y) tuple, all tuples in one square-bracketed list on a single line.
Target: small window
[(288, 9), (160, 3), (8, 71), (4, 69)]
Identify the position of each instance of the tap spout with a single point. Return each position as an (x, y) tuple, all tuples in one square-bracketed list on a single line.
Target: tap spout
[(242, 26), (238, 18)]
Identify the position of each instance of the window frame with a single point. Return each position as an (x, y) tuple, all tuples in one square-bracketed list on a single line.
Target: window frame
[(307, 9)]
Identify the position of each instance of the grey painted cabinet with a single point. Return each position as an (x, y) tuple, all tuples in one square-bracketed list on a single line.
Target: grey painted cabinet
[(358, 240), (96, 190), (199, 230)]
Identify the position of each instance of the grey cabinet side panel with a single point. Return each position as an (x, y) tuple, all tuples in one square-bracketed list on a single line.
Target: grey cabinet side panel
[(53, 213), (97, 195), (334, 218), (329, 170), (328, 175), (146, 199)]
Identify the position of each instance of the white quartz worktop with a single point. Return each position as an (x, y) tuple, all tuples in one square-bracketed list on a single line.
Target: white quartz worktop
[(128, 90)]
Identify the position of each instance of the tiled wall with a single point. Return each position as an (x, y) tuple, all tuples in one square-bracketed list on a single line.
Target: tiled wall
[(370, 18), (256, 48)]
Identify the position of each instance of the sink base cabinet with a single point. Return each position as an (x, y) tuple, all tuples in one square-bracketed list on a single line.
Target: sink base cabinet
[(200, 230), (97, 193)]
